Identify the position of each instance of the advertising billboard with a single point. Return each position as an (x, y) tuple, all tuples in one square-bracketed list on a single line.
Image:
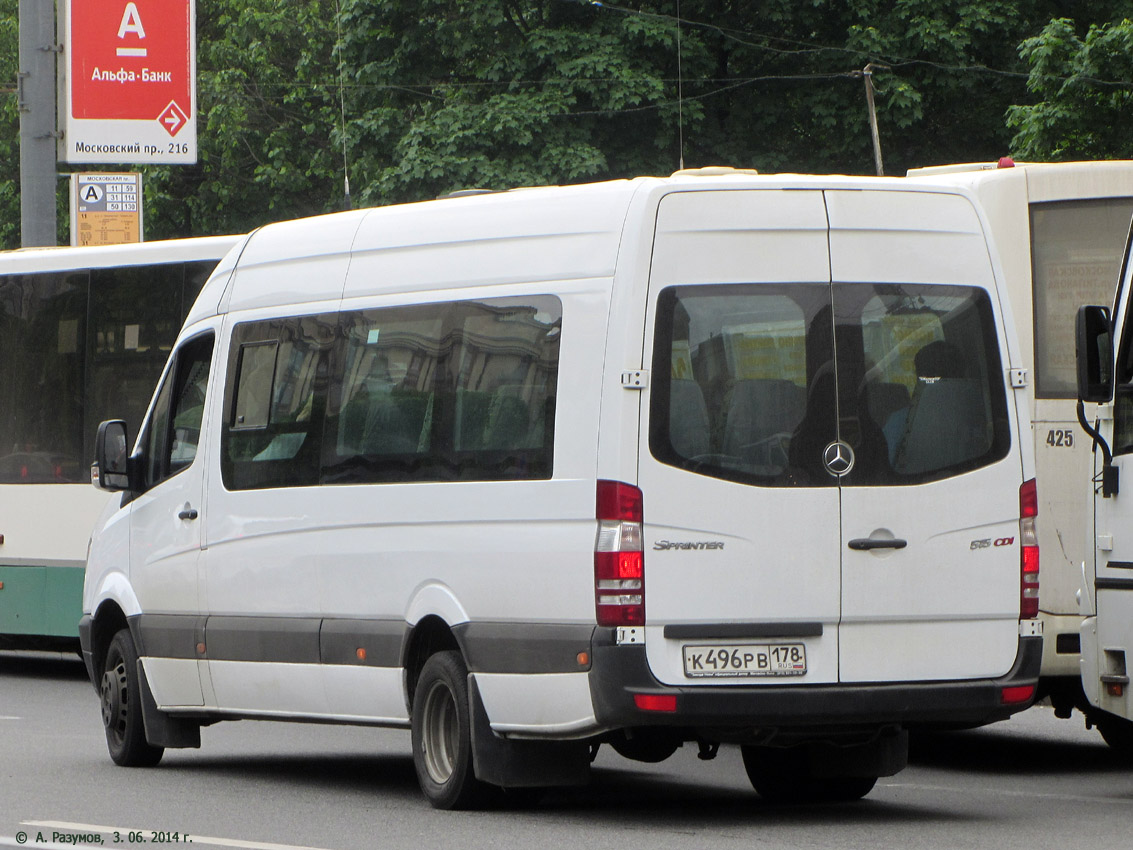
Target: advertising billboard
[(128, 80)]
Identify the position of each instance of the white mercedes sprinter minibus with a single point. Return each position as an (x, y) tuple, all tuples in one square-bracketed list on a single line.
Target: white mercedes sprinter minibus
[(714, 459)]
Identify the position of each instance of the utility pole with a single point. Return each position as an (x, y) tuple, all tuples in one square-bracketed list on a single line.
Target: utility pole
[(35, 87), (867, 74)]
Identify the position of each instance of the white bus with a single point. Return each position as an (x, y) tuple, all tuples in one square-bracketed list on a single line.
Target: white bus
[(84, 332), (1060, 229)]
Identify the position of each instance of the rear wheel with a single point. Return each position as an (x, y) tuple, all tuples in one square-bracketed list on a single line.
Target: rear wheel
[(779, 776), (120, 696), (442, 735)]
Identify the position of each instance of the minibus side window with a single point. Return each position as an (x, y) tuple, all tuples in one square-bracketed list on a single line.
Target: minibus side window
[(275, 402), (173, 431), (255, 376), (454, 391)]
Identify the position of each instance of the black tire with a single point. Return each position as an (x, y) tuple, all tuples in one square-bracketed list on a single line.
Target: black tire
[(442, 735), (120, 695), (1117, 732), (778, 778)]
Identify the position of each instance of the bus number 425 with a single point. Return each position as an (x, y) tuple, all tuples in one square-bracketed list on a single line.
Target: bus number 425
[(1059, 438)]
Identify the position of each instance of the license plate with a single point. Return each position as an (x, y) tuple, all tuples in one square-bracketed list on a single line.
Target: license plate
[(762, 659)]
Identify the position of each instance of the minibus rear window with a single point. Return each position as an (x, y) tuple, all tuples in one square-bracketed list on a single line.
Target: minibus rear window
[(734, 383), (754, 381)]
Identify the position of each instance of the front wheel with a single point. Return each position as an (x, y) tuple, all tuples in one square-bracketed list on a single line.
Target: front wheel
[(442, 735), (120, 696)]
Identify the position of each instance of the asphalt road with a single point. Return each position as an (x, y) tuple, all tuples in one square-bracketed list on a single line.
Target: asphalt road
[(1031, 782)]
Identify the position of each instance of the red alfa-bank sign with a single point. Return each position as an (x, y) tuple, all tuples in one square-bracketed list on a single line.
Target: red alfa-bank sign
[(130, 91)]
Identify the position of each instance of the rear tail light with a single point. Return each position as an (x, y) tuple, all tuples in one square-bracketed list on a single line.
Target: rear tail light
[(1029, 551), (656, 702), (619, 563), (1015, 694)]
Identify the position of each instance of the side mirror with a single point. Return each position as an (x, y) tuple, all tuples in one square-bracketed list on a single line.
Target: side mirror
[(1093, 337), (111, 467)]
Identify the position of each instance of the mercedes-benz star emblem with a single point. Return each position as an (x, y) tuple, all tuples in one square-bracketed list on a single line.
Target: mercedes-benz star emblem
[(839, 458)]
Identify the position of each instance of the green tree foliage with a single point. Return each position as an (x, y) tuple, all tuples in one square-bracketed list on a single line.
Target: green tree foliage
[(266, 115), (1086, 90), (449, 95), (412, 100), (799, 105), (483, 93)]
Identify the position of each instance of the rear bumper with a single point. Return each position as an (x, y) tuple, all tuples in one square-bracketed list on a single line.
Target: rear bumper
[(740, 713)]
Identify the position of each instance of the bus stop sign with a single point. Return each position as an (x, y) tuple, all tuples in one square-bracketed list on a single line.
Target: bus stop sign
[(106, 208), (130, 82)]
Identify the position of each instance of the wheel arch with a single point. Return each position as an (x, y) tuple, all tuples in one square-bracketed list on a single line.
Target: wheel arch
[(432, 614), (430, 635), (115, 608), (108, 620)]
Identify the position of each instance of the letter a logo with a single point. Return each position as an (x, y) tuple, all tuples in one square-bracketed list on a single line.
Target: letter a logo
[(131, 22)]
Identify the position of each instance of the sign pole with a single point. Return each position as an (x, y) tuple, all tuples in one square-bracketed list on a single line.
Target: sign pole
[(36, 97)]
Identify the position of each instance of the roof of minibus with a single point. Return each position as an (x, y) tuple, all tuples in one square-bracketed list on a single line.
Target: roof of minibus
[(527, 211), (542, 233)]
